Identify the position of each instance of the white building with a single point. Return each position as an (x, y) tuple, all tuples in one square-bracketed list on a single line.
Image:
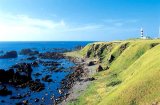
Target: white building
[(142, 34)]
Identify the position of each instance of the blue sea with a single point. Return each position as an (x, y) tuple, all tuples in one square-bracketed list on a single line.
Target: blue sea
[(50, 87)]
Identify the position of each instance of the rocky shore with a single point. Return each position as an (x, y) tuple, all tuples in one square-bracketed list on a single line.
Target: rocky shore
[(84, 78), (23, 75)]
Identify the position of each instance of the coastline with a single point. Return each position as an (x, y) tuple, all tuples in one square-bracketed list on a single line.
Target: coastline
[(80, 85)]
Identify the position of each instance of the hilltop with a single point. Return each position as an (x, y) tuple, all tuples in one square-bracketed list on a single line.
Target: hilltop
[(130, 76)]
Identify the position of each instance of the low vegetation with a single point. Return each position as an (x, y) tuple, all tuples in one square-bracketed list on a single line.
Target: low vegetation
[(133, 77)]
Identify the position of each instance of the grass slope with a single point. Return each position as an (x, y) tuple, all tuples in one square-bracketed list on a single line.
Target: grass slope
[(133, 77)]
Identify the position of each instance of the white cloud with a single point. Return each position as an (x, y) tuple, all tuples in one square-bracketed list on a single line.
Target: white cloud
[(120, 22), (17, 27), (23, 27), (26, 21), (88, 27)]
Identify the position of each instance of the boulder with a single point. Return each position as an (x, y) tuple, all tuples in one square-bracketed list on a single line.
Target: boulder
[(37, 74), (91, 63), (10, 54), (51, 55), (89, 79), (47, 78), (111, 58), (5, 76), (2, 76), (32, 58), (36, 86), (34, 64), (88, 54), (4, 91), (28, 52), (100, 68)]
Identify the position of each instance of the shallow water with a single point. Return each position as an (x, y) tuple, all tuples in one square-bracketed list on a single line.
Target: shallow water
[(50, 87)]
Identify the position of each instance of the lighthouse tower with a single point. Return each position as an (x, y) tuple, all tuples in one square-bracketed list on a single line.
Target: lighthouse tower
[(142, 33)]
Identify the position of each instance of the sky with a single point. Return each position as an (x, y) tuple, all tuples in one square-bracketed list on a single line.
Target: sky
[(78, 20)]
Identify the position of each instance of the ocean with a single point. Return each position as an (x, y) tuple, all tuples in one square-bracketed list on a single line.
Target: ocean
[(50, 87)]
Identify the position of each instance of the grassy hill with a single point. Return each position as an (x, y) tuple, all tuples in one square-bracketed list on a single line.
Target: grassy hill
[(133, 77)]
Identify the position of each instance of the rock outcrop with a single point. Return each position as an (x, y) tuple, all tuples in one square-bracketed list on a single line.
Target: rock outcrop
[(4, 91), (28, 52), (10, 54), (100, 68)]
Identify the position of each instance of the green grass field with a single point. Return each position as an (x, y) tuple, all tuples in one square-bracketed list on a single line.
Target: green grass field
[(133, 77)]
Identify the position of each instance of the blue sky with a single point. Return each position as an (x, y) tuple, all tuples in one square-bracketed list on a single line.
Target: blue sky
[(77, 20)]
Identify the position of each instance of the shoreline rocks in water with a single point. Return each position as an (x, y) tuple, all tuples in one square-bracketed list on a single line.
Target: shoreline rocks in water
[(51, 55), (69, 81), (79, 79), (4, 91), (10, 54), (28, 52), (20, 75), (47, 78)]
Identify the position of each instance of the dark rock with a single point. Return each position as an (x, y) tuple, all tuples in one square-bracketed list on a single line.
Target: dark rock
[(23, 67), (91, 63), (88, 54), (4, 91), (100, 68), (2, 101), (20, 78), (111, 58), (32, 58), (28, 52), (47, 78), (36, 86), (5, 76), (23, 73), (35, 64), (154, 44), (37, 74), (51, 55), (19, 103), (90, 79), (52, 68), (10, 54)]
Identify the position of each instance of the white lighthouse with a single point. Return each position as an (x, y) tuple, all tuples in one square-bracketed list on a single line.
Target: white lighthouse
[(142, 33)]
